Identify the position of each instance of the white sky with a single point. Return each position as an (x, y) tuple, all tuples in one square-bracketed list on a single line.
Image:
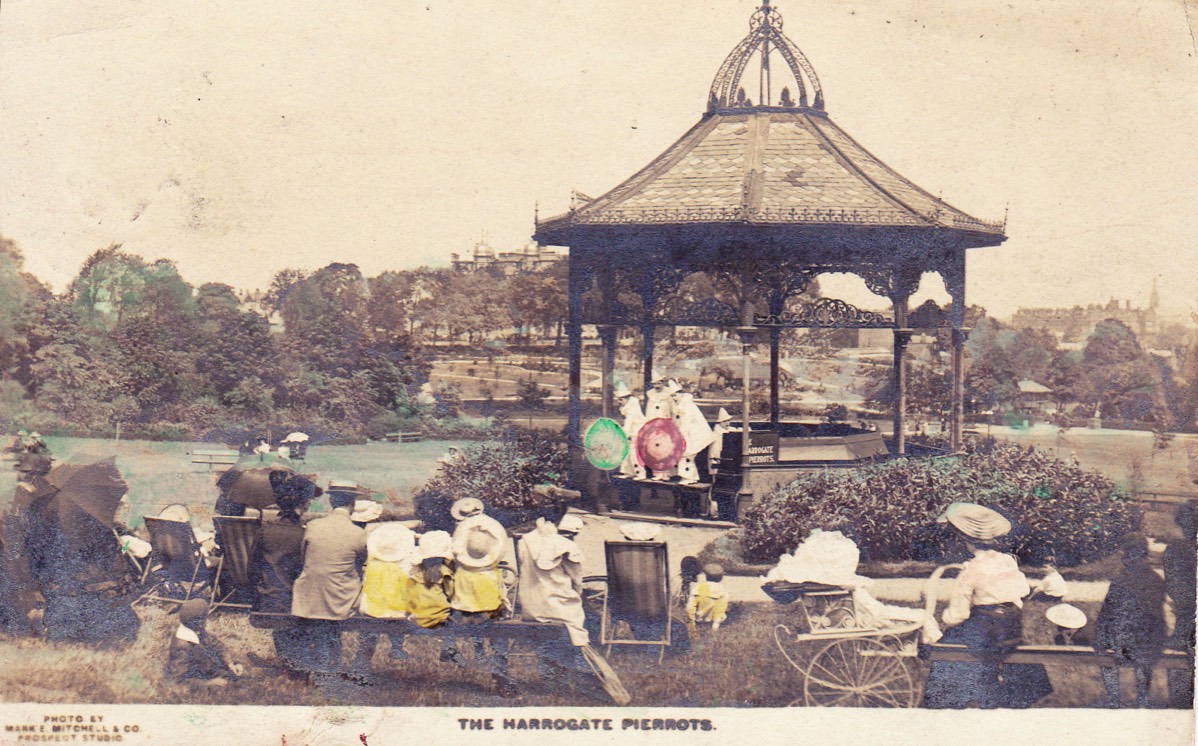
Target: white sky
[(238, 138)]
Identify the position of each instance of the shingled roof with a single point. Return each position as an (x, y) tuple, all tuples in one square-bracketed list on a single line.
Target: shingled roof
[(786, 165)]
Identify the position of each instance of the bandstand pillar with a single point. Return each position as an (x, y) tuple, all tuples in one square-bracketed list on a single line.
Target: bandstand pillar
[(745, 332), (607, 335), (574, 291), (902, 337), (954, 280), (960, 336), (775, 407)]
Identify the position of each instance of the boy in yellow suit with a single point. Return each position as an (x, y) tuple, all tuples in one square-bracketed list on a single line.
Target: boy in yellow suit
[(708, 600)]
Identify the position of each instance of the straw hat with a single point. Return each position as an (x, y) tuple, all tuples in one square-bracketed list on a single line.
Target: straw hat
[(479, 542), (1067, 616), (366, 511), (193, 609), (640, 531), (175, 512), (570, 524), (391, 542), (975, 521), (466, 507), (435, 544)]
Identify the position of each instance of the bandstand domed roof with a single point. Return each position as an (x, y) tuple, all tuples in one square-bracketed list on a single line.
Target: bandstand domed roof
[(782, 164)]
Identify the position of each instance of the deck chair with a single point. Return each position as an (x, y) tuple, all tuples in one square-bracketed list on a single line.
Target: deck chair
[(233, 588), (177, 561), (636, 603)]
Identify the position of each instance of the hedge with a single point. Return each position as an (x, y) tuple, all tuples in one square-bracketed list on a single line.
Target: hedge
[(502, 474), (1059, 511)]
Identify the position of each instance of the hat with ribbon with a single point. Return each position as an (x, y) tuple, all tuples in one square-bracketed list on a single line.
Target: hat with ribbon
[(391, 542), (479, 542), (366, 511), (465, 508), (976, 521)]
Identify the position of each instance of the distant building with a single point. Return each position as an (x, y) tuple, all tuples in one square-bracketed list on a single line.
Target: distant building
[(1075, 324), (532, 258)]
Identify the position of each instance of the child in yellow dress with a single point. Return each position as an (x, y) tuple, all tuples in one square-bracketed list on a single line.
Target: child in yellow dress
[(708, 600)]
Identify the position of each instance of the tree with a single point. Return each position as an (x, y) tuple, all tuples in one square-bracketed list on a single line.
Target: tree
[(1115, 371)]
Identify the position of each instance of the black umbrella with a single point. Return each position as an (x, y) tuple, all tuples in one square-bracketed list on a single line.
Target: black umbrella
[(85, 490), (253, 485)]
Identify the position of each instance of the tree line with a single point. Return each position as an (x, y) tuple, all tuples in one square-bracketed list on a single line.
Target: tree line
[(132, 342)]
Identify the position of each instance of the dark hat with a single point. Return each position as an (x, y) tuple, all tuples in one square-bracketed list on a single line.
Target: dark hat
[(193, 609)]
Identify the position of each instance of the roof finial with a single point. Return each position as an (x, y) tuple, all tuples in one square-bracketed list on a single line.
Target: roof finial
[(765, 37)]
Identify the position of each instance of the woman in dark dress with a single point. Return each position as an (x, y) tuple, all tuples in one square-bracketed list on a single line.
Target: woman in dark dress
[(276, 563), (985, 613)]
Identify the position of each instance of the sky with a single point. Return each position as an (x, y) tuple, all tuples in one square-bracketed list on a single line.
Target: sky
[(241, 138)]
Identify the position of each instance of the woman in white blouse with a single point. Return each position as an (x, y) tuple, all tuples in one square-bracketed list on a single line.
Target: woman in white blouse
[(985, 612)]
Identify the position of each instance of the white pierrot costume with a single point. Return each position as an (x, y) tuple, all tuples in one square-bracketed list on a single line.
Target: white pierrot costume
[(695, 431), (723, 424), (659, 402), (630, 408)]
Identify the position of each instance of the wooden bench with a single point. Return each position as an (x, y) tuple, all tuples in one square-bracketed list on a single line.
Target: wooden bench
[(512, 630), (214, 457), (404, 437), (1083, 655)]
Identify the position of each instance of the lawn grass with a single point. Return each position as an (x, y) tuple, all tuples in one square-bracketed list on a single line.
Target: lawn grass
[(739, 668)]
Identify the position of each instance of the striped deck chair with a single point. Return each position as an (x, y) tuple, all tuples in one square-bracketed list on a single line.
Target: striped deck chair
[(235, 536), (177, 563), (636, 604)]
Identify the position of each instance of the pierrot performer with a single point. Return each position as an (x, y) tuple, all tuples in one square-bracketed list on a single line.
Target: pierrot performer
[(695, 431), (630, 408)]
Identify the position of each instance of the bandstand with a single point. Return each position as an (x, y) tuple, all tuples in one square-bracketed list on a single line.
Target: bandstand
[(763, 196)]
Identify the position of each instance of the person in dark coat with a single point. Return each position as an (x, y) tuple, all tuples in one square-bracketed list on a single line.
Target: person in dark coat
[(1132, 620), (276, 563), (1179, 562)]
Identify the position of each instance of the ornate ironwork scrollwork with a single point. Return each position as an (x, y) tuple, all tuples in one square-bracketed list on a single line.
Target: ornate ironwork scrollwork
[(706, 312), (829, 313)]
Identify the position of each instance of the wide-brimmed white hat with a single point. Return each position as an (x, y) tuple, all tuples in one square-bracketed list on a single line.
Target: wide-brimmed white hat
[(1067, 616), (570, 524), (640, 531), (435, 544), (479, 542), (366, 511), (976, 521), (391, 542), (466, 507)]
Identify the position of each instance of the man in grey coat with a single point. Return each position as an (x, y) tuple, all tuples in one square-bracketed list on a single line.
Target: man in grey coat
[(327, 590)]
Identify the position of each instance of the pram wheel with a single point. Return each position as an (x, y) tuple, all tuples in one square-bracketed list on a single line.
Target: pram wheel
[(861, 672)]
